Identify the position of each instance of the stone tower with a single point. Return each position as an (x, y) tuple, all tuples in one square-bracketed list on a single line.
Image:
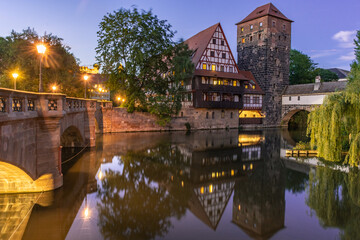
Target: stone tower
[(263, 45)]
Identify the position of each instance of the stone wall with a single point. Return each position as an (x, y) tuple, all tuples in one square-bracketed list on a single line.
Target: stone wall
[(119, 120)]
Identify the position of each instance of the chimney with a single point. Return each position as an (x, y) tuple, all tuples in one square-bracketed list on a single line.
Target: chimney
[(317, 83)]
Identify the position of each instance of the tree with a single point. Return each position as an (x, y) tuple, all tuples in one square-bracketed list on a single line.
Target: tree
[(301, 68), (136, 50), (326, 75), (59, 66), (334, 127)]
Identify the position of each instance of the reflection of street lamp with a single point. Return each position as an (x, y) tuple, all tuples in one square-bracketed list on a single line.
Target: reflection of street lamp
[(41, 50), (15, 75), (86, 209), (86, 77)]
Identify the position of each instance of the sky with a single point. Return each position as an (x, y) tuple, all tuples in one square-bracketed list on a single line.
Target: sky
[(322, 29)]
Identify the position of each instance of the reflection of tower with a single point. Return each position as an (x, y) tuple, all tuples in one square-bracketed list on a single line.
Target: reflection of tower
[(259, 199)]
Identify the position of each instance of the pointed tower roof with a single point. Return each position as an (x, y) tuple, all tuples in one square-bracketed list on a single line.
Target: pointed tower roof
[(199, 42), (265, 10)]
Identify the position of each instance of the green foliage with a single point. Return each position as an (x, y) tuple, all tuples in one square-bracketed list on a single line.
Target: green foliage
[(137, 51), (301, 68), (334, 127), (59, 66), (326, 75), (302, 146)]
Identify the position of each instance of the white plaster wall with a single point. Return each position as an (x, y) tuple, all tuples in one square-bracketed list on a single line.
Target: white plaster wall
[(304, 100)]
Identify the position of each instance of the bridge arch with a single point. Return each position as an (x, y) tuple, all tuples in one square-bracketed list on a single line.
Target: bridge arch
[(16, 180), (72, 137), (289, 113)]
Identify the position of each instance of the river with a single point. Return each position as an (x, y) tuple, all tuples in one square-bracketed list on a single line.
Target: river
[(203, 185)]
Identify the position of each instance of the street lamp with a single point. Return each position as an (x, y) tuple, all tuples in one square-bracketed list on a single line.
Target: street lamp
[(15, 75), (41, 50), (54, 87), (86, 77)]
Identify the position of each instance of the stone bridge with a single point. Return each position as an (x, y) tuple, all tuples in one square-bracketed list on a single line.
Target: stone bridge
[(33, 127), (288, 111)]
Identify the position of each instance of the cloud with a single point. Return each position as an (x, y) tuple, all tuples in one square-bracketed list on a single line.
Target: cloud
[(345, 38), (348, 57), (322, 53)]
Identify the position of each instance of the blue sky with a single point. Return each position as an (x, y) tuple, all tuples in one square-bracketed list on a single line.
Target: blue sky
[(322, 29)]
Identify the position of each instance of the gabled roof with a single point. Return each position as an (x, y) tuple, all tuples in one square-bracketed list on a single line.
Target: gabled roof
[(199, 42), (342, 73), (306, 89), (251, 77), (265, 10)]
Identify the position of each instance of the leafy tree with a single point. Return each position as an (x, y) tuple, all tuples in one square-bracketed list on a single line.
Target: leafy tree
[(326, 75), (301, 68), (59, 66), (335, 126), (136, 50)]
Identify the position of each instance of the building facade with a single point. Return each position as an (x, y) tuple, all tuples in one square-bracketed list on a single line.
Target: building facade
[(263, 45), (218, 89)]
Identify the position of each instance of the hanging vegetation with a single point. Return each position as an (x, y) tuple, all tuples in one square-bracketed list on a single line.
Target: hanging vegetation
[(334, 127)]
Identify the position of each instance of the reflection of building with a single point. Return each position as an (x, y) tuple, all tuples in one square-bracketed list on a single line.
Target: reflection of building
[(214, 162), (96, 83), (259, 199)]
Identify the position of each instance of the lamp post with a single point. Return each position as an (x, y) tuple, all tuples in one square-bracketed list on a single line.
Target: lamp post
[(41, 50), (86, 77), (15, 75), (54, 87)]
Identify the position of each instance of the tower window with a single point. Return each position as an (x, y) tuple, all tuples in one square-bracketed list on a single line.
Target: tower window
[(223, 55), (242, 29), (284, 27), (204, 66), (213, 67), (250, 38), (273, 23), (222, 42), (284, 38), (212, 54), (260, 24), (259, 36), (251, 27), (214, 41), (243, 40)]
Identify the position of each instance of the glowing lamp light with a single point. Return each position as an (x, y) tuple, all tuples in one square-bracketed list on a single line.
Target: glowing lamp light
[(123, 100), (15, 75), (86, 77), (210, 188), (100, 175), (41, 48), (54, 87), (86, 212), (182, 183), (202, 190)]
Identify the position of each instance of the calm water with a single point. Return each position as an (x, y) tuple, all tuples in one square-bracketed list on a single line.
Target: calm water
[(205, 185)]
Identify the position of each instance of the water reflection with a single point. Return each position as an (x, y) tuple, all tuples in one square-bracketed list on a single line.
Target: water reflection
[(148, 185)]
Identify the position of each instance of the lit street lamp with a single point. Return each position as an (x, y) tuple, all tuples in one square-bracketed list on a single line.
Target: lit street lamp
[(15, 75), (41, 50), (86, 77), (54, 87)]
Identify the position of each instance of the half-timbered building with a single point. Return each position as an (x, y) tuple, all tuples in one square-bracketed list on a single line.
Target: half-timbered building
[(218, 91)]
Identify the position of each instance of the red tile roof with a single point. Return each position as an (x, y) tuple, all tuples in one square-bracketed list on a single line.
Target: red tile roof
[(265, 10)]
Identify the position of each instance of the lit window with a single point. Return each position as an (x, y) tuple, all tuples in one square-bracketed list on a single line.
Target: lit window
[(213, 67), (246, 86), (251, 27), (214, 41), (202, 190), (243, 40), (253, 87), (260, 24), (204, 66), (210, 188), (212, 54), (242, 29), (234, 83)]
